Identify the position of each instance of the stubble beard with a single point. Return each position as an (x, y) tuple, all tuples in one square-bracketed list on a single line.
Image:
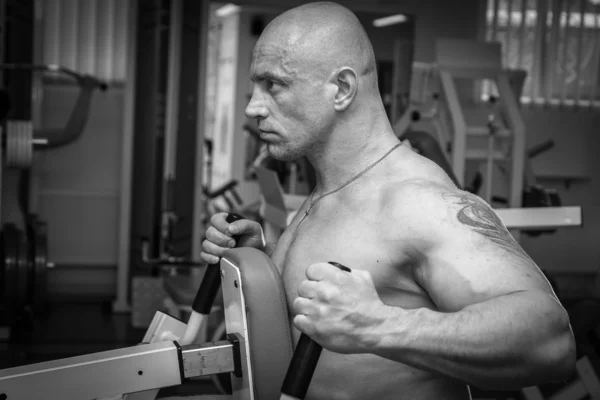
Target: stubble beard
[(285, 153)]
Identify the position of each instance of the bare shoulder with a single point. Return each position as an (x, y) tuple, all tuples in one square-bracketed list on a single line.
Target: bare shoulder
[(441, 213), (462, 250)]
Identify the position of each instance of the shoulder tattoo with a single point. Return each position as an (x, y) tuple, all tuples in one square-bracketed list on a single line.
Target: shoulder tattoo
[(480, 217)]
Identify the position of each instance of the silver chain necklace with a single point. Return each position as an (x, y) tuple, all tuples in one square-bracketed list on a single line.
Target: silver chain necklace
[(349, 181)]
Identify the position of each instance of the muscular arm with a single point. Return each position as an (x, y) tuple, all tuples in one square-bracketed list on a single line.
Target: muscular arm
[(498, 324)]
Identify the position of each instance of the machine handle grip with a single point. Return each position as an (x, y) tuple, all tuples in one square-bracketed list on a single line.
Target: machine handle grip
[(304, 361), (211, 281)]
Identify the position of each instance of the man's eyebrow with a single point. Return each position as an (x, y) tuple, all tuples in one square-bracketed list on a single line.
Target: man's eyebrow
[(257, 77)]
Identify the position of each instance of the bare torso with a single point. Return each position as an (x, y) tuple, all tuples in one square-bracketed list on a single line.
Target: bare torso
[(350, 227)]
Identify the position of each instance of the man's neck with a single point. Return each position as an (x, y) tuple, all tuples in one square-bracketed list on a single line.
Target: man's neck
[(347, 155)]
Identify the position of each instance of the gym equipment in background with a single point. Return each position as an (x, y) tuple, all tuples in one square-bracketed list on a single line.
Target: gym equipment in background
[(24, 241), (450, 123)]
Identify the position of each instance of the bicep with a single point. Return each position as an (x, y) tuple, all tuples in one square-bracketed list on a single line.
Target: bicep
[(473, 257)]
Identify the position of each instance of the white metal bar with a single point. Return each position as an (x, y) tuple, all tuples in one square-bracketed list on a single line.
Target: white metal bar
[(458, 124), (121, 303), (96, 375), (236, 320), (582, 4), (517, 126), (540, 217), (490, 34), (162, 327)]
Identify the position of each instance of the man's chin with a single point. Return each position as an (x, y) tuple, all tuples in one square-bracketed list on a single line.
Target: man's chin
[(280, 154)]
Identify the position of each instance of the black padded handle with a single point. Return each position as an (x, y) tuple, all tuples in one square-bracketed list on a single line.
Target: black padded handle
[(211, 281), (304, 361)]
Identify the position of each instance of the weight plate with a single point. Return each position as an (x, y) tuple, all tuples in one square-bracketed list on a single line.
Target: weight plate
[(19, 135), (23, 271), (10, 254), (40, 263), (31, 259)]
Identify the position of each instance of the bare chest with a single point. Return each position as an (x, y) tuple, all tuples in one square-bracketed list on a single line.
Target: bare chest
[(356, 241)]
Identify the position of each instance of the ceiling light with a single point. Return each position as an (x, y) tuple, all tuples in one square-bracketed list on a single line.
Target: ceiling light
[(227, 10), (391, 20)]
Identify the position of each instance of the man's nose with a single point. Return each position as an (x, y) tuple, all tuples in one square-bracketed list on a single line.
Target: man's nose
[(256, 107)]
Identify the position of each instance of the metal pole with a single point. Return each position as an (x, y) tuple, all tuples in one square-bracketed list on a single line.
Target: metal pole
[(121, 303), (198, 211)]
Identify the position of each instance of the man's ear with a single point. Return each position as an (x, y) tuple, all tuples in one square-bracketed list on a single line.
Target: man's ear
[(346, 81)]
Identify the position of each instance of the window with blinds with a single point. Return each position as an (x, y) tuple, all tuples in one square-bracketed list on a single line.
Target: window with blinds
[(88, 36), (557, 42)]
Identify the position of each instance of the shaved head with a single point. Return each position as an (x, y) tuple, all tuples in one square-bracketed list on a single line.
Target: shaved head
[(325, 36), (314, 82)]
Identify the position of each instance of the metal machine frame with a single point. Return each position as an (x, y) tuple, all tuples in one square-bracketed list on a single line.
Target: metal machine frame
[(148, 366)]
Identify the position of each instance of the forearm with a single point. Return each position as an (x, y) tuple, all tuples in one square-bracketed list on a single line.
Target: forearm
[(513, 341)]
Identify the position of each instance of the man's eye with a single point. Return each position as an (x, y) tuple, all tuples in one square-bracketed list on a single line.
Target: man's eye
[(272, 84)]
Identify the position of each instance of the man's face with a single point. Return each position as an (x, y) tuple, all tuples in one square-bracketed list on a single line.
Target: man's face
[(288, 100)]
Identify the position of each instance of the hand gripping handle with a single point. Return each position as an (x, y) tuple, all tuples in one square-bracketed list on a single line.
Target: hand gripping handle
[(304, 361), (211, 281)]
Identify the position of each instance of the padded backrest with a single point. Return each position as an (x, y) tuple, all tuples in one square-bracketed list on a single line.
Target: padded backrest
[(269, 332)]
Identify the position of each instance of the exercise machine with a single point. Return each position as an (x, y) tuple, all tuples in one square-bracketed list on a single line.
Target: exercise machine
[(256, 353)]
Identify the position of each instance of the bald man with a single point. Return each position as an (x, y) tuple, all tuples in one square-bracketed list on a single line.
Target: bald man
[(440, 295)]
